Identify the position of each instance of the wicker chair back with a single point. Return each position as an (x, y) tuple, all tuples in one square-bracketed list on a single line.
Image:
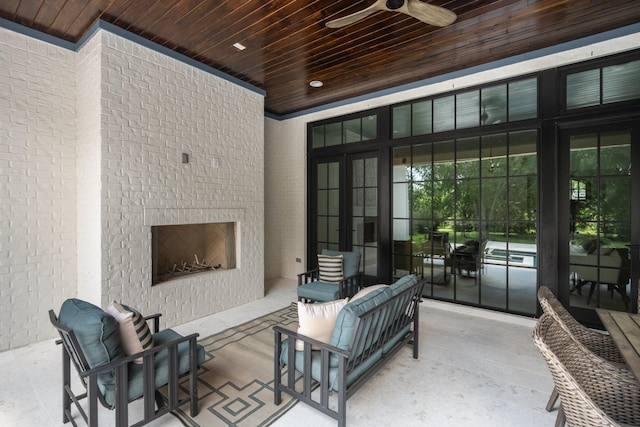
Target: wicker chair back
[(593, 391)]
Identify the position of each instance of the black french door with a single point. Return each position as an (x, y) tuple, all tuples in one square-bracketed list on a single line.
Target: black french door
[(344, 211), (599, 227)]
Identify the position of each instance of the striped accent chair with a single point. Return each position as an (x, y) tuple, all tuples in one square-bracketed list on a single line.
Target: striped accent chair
[(337, 276)]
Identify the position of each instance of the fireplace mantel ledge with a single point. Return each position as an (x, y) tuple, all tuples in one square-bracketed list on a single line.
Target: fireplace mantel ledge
[(177, 216)]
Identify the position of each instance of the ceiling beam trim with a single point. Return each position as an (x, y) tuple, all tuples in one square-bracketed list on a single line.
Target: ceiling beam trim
[(102, 25)]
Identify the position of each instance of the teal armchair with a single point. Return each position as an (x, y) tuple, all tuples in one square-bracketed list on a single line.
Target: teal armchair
[(312, 288), (90, 340)]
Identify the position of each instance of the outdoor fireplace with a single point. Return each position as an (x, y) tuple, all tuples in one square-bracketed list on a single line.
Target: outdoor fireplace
[(182, 250)]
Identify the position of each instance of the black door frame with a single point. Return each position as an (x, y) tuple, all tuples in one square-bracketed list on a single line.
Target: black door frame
[(564, 131), (345, 210)]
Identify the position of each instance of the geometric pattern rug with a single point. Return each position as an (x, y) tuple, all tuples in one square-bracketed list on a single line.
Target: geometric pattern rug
[(235, 383)]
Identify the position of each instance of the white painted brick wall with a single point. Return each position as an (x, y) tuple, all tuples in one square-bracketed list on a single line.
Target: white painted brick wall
[(154, 108), (89, 142), (285, 207), (37, 186), (89, 161)]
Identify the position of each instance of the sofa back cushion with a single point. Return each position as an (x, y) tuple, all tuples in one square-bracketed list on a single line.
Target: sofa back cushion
[(345, 325), (366, 291), (97, 332), (403, 283)]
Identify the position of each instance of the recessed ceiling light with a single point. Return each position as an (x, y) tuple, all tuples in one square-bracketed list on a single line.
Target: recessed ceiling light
[(239, 46), (315, 83)]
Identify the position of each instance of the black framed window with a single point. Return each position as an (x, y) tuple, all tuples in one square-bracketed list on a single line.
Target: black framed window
[(485, 106), (346, 131), (601, 83)]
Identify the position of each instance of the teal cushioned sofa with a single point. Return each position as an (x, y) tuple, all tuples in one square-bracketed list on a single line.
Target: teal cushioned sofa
[(367, 333)]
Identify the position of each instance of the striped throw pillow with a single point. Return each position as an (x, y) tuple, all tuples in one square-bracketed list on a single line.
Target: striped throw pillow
[(135, 335), (330, 268)]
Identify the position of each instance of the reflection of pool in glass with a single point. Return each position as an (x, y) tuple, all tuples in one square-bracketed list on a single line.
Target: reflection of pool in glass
[(526, 258)]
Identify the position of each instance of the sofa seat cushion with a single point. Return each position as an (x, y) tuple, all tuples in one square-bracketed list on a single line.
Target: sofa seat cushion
[(98, 332), (319, 291), (395, 339), (161, 362), (316, 357)]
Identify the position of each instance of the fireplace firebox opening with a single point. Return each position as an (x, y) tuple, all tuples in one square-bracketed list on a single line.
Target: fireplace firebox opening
[(181, 250)]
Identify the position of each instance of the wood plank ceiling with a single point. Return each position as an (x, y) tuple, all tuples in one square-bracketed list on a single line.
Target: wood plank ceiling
[(288, 44)]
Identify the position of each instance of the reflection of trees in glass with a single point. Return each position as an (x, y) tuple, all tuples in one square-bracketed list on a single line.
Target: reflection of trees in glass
[(494, 197), (440, 202), (605, 208), (432, 197), (468, 208)]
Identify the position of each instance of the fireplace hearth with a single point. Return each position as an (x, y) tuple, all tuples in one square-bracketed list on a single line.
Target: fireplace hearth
[(183, 250)]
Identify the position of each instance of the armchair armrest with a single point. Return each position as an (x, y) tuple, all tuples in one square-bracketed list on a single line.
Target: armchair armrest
[(156, 321), (308, 276), (349, 286), (308, 341), (120, 369), (287, 382), (147, 356)]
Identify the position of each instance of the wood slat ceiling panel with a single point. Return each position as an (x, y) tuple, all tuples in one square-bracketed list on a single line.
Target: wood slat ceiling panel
[(288, 44), (48, 12)]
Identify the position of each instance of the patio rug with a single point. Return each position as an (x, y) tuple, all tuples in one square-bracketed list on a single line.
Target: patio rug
[(235, 383)]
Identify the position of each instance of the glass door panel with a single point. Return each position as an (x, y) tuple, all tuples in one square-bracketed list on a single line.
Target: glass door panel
[(327, 217), (344, 212), (600, 219), (364, 212), (481, 193)]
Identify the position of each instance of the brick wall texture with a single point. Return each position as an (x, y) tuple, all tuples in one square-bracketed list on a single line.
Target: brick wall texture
[(37, 185), (91, 157)]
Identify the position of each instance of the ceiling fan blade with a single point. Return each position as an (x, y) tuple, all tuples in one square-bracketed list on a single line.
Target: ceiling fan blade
[(425, 12), (350, 19)]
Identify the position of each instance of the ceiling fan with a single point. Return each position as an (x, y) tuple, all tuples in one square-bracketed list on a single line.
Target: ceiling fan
[(425, 12)]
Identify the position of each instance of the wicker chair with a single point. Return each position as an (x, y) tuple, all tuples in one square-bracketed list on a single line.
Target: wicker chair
[(596, 342), (593, 391)]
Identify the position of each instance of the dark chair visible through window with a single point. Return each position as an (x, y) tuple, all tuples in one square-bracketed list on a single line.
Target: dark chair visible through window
[(436, 244), (469, 257)]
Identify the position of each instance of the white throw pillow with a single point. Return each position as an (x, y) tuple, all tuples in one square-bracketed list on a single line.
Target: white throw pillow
[(330, 268), (135, 335), (317, 320), (367, 290)]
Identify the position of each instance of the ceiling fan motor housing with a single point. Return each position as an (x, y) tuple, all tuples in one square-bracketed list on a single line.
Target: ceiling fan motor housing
[(394, 4)]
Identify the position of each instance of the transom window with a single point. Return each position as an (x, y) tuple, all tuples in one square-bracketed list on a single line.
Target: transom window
[(491, 105), (603, 85), (345, 132)]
